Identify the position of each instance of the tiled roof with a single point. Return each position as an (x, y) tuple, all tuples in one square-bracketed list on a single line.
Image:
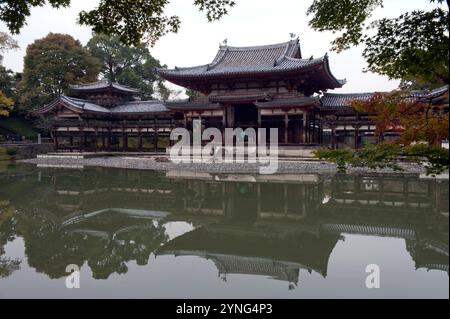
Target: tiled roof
[(333, 101), (285, 64), (424, 94), (103, 84), (141, 107), (270, 59), (84, 104), (127, 108)]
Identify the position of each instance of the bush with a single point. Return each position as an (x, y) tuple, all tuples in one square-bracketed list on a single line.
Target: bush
[(11, 151), (435, 159)]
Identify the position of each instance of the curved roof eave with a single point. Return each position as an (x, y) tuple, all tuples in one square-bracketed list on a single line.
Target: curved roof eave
[(58, 101), (173, 75), (340, 83)]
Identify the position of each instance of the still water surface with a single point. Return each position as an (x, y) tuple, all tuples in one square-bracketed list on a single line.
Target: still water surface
[(141, 234)]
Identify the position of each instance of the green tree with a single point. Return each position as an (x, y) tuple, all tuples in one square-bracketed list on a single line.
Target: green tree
[(133, 66), (133, 21), (6, 87), (6, 104), (7, 91), (51, 64), (413, 46), (8, 82)]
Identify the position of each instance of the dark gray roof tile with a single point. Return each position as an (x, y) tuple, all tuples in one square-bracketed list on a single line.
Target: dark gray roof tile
[(140, 107), (103, 84), (274, 58), (335, 101)]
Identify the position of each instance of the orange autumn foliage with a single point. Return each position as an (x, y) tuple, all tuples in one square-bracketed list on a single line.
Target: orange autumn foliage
[(414, 120)]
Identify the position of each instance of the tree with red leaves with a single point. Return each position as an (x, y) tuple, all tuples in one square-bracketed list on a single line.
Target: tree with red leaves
[(415, 119), (421, 126)]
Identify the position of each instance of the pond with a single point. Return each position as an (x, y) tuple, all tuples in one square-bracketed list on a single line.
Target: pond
[(143, 234)]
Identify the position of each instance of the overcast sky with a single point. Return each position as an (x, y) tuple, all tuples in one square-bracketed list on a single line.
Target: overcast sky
[(251, 22)]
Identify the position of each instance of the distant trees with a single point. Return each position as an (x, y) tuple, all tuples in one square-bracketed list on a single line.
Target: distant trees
[(133, 66), (51, 64), (6, 91), (54, 62)]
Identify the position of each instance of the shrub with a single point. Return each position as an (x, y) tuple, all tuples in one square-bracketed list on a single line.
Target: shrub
[(11, 151)]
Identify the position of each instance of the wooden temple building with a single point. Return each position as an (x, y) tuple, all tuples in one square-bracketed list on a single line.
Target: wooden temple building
[(269, 86)]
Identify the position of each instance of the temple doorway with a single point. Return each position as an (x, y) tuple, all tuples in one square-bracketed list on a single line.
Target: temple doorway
[(245, 116)]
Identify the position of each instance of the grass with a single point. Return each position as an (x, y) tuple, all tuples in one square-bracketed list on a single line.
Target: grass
[(4, 156), (19, 126)]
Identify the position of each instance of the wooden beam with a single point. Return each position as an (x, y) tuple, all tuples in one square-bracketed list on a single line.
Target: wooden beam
[(286, 125)]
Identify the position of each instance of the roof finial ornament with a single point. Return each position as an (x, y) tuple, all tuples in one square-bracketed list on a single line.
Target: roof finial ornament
[(293, 35), (224, 42)]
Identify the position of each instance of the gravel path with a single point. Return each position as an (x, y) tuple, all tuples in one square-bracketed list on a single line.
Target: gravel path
[(147, 163)]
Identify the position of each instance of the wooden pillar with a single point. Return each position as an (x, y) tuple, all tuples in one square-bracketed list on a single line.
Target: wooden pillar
[(286, 126), (156, 134), (109, 139), (258, 138), (313, 132), (224, 123), (356, 136), (308, 128), (125, 140), (224, 117), (320, 131), (103, 142), (83, 140), (185, 120), (140, 140), (96, 140), (259, 118), (55, 139), (333, 136), (303, 140)]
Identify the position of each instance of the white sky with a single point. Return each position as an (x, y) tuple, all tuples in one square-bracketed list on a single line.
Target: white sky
[(250, 22)]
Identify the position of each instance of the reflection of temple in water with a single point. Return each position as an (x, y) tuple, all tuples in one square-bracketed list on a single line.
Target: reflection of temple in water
[(109, 217), (255, 250)]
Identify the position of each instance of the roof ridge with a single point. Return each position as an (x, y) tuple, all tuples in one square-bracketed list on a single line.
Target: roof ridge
[(283, 55), (216, 60), (177, 68), (90, 83), (259, 47), (342, 94), (124, 85), (69, 99), (320, 59), (145, 101)]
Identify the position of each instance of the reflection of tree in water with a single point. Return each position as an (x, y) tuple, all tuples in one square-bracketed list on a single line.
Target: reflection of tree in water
[(7, 223), (8, 266), (51, 247), (108, 255)]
